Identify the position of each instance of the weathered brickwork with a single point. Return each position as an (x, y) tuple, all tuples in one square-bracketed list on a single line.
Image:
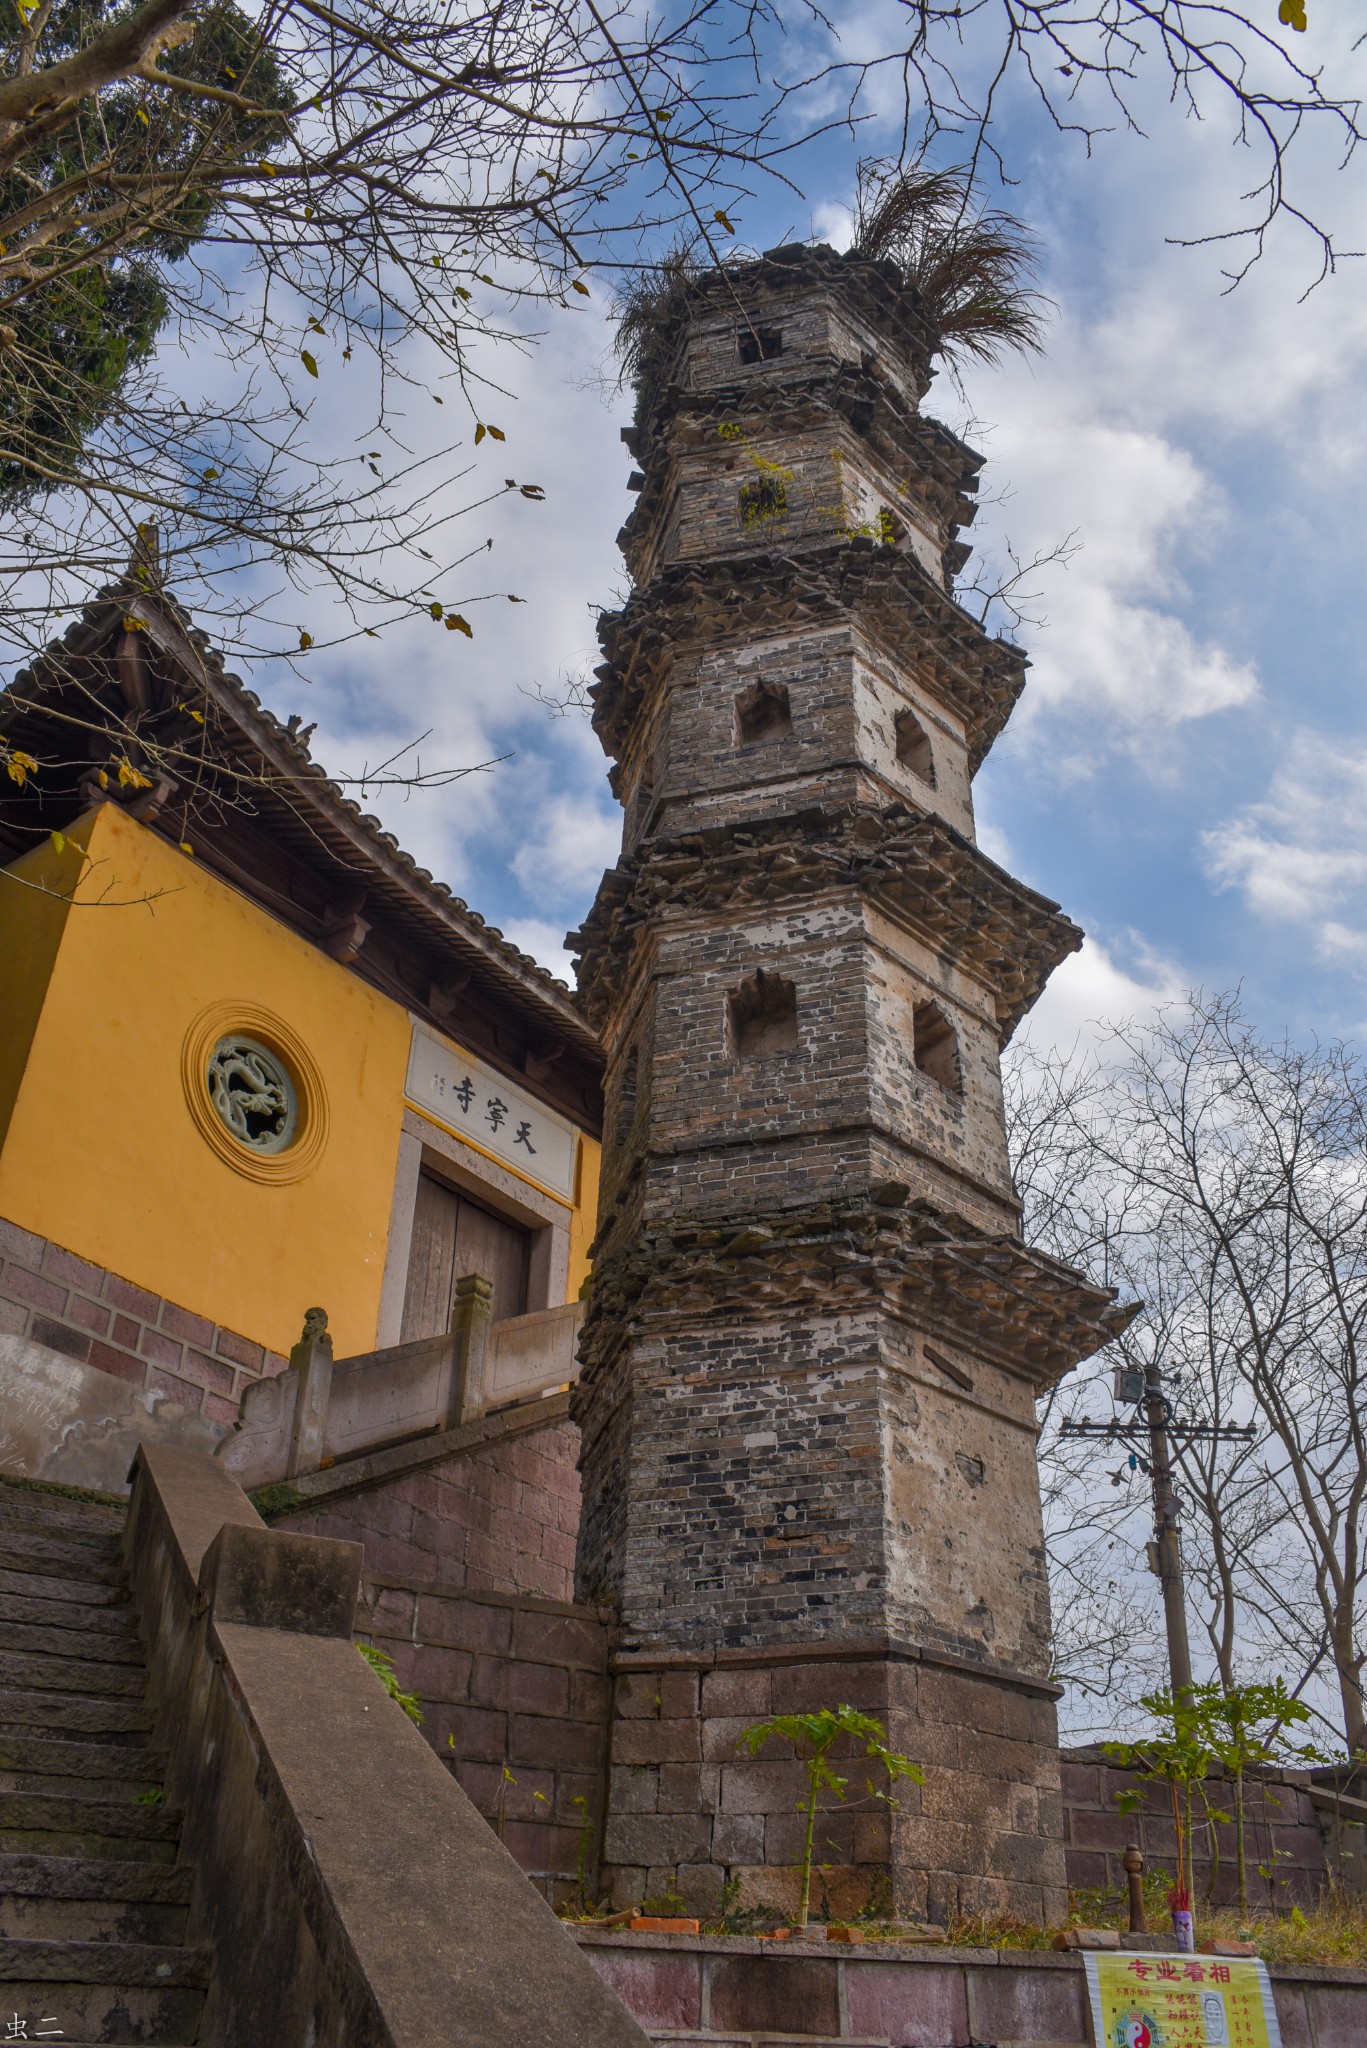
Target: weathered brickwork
[(1299, 1841), (814, 1336), (514, 1700), (57, 1299), (499, 1519), (703, 772)]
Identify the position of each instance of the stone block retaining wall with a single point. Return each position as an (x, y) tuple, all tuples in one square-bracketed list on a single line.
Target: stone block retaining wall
[(719, 1992), (86, 1313), (500, 1518), (508, 1686)]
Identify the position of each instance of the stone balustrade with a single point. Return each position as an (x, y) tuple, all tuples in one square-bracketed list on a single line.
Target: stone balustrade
[(320, 1411)]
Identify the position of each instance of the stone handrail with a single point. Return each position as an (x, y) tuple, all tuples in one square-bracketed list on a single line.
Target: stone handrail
[(321, 1410), (349, 1893)]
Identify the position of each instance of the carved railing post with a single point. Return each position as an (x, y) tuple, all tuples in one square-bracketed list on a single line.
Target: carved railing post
[(311, 1358), (471, 1312)]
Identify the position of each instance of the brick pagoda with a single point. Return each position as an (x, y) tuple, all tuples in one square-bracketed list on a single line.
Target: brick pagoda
[(815, 1338)]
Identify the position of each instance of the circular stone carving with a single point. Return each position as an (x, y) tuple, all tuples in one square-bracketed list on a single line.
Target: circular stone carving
[(255, 1092)]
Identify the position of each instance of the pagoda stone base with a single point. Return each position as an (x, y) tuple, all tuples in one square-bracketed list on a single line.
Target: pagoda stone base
[(689, 1810)]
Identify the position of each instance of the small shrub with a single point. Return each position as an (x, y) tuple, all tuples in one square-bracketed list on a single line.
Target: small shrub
[(383, 1667), (814, 1736)]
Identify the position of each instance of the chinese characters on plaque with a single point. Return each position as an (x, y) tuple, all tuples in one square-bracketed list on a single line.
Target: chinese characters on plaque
[(492, 1112), (1164, 2001)]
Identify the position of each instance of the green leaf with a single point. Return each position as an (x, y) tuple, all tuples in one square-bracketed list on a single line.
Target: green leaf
[(383, 1667), (309, 364)]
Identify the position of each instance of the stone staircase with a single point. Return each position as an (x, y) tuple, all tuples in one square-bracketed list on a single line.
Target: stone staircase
[(93, 1901)]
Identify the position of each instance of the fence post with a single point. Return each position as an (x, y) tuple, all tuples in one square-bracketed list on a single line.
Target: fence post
[(311, 1358), (470, 1316)]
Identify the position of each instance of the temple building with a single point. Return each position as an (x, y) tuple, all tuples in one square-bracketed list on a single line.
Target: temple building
[(252, 1057)]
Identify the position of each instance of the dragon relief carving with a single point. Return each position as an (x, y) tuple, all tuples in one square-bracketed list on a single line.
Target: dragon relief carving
[(253, 1094)]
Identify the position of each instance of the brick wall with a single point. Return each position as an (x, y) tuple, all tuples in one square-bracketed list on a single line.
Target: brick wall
[(501, 1518), (1282, 1827), (63, 1301), (508, 1685)]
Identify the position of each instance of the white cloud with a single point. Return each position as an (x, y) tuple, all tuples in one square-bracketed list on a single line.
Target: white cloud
[(1092, 990), (1116, 651), (573, 843), (544, 941), (1298, 856)]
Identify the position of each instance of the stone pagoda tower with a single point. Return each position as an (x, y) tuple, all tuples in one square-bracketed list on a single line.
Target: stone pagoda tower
[(815, 1337)]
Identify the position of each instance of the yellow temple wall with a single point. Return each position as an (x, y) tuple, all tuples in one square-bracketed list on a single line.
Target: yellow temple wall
[(106, 1006)]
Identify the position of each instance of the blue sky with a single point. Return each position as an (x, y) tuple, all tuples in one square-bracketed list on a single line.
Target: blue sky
[(1188, 769)]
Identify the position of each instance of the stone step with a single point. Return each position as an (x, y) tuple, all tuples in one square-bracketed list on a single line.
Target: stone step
[(104, 1547), (80, 1767), (85, 1645), (34, 1585), (104, 1991), (103, 1962), (75, 1877), (21, 1551), (38, 1917), (110, 1791), (37, 1824), (64, 1713), (40, 1673), (44, 1612), (89, 1517)]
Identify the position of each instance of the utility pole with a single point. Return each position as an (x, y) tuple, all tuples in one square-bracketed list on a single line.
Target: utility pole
[(1142, 1389), (1167, 1538)]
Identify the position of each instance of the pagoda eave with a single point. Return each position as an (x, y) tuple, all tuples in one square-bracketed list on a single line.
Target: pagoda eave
[(715, 603)]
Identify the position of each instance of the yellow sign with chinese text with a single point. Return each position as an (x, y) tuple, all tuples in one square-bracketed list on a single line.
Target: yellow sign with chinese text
[(1167, 2001)]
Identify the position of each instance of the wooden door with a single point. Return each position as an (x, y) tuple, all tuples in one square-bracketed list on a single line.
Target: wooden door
[(453, 1236)]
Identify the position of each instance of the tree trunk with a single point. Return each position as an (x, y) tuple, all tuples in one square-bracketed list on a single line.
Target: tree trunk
[(1349, 1667)]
